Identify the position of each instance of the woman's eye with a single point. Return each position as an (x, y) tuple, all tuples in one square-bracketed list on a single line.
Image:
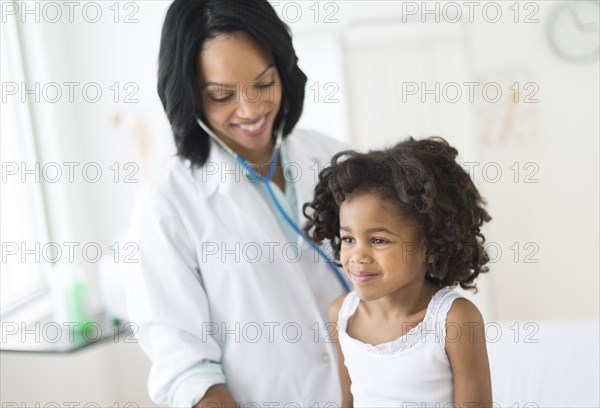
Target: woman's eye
[(222, 99), (265, 86), (347, 240)]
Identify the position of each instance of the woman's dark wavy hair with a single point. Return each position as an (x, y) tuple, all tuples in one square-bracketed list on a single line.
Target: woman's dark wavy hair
[(188, 25), (431, 188)]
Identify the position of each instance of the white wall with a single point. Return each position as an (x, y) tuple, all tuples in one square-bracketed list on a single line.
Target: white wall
[(559, 134), (558, 214)]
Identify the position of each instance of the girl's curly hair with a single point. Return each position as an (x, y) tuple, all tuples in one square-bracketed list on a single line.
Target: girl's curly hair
[(431, 188)]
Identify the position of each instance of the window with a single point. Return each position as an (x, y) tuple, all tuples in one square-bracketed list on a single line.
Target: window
[(23, 229)]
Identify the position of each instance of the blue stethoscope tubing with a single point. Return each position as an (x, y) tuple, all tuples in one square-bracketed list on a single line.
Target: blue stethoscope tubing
[(266, 182)]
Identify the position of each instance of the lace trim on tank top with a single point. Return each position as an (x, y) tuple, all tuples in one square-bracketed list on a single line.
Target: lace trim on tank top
[(434, 323)]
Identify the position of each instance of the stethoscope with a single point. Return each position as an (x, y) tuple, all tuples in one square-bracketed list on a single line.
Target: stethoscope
[(266, 182)]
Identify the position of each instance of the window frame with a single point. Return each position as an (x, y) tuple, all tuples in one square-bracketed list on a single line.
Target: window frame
[(11, 49)]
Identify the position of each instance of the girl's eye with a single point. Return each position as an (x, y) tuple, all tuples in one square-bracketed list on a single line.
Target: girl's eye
[(347, 240), (379, 241)]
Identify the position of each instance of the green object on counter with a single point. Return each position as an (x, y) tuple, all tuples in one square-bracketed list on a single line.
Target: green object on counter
[(76, 307)]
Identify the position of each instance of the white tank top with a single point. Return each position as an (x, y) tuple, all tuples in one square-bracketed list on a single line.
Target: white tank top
[(411, 371)]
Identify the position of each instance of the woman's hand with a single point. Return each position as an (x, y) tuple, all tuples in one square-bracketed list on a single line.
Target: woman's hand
[(217, 396)]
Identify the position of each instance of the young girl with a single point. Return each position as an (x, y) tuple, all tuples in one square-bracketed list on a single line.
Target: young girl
[(405, 226)]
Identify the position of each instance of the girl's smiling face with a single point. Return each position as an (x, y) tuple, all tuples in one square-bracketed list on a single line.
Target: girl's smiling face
[(382, 251), (240, 93)]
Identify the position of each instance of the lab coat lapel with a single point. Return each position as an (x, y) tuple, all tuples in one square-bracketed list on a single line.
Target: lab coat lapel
[(308, 164), (244, 196)]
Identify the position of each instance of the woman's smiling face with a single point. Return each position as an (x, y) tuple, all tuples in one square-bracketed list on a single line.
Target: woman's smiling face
[(240, 93)]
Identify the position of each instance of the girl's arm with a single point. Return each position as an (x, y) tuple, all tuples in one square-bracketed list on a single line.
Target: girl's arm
[(334, 309), (466, 349)]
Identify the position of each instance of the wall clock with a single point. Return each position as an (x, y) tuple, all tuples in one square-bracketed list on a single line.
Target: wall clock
[(574, 30)]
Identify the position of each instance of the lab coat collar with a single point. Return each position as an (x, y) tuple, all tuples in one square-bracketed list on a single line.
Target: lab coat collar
[(307, 161), (211, 177), (222, 174)]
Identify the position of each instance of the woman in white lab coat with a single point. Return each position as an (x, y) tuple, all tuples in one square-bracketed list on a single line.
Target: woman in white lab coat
[(229, 301)]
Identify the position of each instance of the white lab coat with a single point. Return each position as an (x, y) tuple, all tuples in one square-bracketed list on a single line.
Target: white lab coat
[(216, 282)]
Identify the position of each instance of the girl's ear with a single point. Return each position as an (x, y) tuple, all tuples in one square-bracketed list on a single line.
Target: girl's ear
[(423, 250), (431, 258)]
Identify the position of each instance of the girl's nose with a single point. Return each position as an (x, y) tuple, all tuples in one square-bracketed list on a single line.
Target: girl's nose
[(360, 255)]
